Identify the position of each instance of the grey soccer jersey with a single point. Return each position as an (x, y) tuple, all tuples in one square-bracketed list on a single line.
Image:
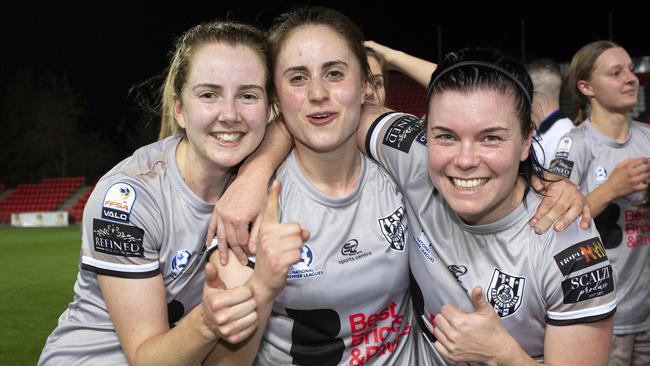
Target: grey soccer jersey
[(530, 280), (347, 301), (587, 157), (140, 221)]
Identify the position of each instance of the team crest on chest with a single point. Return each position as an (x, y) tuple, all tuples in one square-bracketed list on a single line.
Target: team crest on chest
[(393, 229), (505, 292)]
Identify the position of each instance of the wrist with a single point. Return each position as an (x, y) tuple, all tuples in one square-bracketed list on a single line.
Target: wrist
[(510, 353), (261, 293), (200, 316)]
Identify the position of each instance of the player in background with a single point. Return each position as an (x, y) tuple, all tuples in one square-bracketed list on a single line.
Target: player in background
[(607, 156)]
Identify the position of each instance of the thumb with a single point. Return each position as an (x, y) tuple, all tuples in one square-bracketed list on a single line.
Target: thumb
[(479, 301), (305, 234), (271, 214), (212, 279), (255, 234)]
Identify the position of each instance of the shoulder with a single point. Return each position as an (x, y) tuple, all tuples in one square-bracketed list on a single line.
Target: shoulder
[(570, 239), (379, 176), (643, 127)]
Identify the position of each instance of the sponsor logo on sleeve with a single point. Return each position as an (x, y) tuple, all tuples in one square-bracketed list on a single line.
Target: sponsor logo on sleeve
[(393, 229), (563, 148), (422, 137), (118, 202), (505, 292), (403, 132), (587, 286), (580, 256), (117, 239), (561, 166)]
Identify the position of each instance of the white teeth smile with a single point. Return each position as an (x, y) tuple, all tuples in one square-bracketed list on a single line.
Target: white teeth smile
[(227, 136), (469, 183), (320, 115)]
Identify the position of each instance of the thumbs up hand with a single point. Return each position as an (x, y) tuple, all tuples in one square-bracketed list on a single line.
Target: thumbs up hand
[(227, 314), (278, 249), (478, 336)]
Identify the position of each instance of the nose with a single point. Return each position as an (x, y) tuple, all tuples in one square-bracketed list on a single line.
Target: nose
[(467, 157), (318, 91), (229, 112), (631, 77)]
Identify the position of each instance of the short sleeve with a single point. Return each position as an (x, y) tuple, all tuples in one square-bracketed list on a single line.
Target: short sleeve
[(577, 278), (570, 158), (122, 230), (398, 142)]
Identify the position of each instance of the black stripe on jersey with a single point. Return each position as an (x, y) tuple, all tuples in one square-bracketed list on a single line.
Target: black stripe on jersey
[(251, 260), (549, 121), (108, 272), (585, 320), (369, 134)]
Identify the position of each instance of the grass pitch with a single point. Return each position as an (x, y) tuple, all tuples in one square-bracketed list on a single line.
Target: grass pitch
[(37, 273)]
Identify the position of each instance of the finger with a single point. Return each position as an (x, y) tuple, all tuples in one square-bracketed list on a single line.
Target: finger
[(450, 312), (241, 255), (305, 235), (557, 206), (271, 214), (441, 328), (241, 231), (237, 300), (212, 279), (212, 228), (568, 215), (231, 236), (442, 350), (230, 330), (243, 334), (221, 238), (539, 220), (236, 309), (255, 235), (479, 301), (585, 222)]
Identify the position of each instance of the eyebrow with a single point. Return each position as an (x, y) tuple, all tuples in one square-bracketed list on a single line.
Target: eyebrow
[(219, 87), (324, 66), (484, 131)]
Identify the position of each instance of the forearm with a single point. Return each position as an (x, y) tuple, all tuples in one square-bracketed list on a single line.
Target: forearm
[(512, 355), (599, 199), (185, 344), (269, 155), (416, 68)]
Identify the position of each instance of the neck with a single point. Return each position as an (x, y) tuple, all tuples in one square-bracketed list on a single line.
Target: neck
[(336, 172), (204, 178), (614, 125)]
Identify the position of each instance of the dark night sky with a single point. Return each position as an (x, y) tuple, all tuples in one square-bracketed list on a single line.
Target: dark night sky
[(105, 48)]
